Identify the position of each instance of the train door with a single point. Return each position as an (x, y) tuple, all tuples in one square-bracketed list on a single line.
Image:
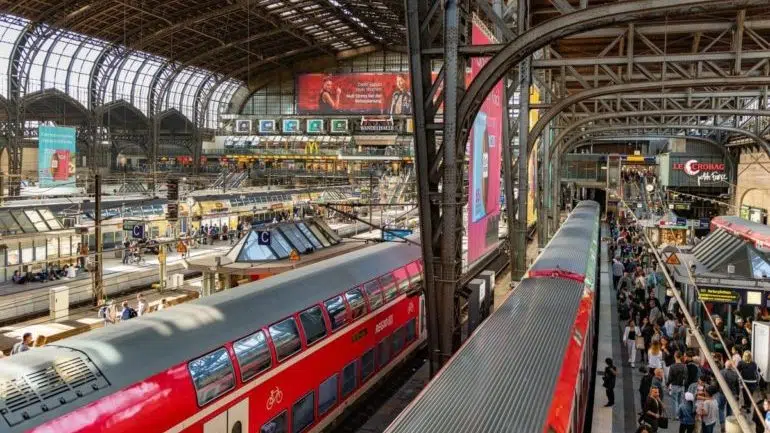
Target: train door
[(234, 420)]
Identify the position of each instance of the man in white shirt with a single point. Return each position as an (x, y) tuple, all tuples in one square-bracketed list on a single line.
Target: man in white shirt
[(617, 272)]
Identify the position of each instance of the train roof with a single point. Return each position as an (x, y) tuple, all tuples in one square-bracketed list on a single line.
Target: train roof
[(568, 250), (135, 350), (499, 381)]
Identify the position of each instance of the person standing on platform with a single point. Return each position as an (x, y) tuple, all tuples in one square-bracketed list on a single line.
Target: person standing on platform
[(141, 305), (610, 374), (629, 339), (686, 414), (617, 273), (677, 377)]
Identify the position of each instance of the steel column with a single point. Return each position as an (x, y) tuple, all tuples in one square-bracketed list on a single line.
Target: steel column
[(525, 81), (418, 17)]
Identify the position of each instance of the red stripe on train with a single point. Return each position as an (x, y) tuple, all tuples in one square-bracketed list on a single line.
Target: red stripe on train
[(562, 405)]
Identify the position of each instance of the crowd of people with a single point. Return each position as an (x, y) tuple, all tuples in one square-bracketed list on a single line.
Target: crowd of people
[(678, 383)]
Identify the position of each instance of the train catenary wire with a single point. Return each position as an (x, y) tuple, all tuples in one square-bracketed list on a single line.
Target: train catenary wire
[(498, 381)]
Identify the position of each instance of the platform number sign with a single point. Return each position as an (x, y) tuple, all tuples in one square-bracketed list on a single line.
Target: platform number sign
[(263, 237), (138, 231)]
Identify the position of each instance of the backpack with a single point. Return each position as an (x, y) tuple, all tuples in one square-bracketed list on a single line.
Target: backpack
[(132, 313)]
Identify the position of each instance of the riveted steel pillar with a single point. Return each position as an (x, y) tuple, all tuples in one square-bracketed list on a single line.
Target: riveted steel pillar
[(525, 80)]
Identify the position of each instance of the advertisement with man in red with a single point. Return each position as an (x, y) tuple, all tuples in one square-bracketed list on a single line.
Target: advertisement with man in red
[(355, 93), (485, 151)]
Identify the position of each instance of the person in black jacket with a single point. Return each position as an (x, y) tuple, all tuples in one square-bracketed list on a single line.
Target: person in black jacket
[(677, 377), (646, 384), (610, 374)]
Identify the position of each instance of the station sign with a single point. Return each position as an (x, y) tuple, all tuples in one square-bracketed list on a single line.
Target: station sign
[(263, 237), (395, 234), (719, 295), (128, 225)]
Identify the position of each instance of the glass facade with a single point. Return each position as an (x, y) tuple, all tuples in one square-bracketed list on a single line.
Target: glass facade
[(65, 61)]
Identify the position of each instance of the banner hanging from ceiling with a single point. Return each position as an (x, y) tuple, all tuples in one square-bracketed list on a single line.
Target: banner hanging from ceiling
[(354, 93)]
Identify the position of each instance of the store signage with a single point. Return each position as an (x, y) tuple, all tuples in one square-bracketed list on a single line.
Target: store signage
[(315, 126), (128, 225), (339, 125), (744, 212), (243, 126), (722, 296), (290, 126), (706, 172), (266, 126), (376, 124)]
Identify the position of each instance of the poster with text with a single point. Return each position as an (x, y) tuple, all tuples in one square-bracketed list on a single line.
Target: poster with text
[(355, 93), (56, 156), (484, 157)]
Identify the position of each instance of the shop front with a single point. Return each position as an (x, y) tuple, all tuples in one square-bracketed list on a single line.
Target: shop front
[(213, 213), (707, 176)]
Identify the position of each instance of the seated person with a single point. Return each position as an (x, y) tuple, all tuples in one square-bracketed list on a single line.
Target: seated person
[(72, 272), (18, 278)]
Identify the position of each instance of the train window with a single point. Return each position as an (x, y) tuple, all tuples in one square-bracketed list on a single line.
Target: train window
[(335, 307), (410, 330), (327, 394), (313, 324), (383, 352), (349, 379), (253, 355), (237, 427), (415, 273), (398, 341), (285, 338), (275, 425), (367, 364), (402, 279), (303, 413), (389, 288), (356, 302), (372, 289), (212, 375)]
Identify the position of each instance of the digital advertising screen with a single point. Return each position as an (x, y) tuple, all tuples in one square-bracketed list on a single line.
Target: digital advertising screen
[(56, 156), (354, 93), (485, 153)]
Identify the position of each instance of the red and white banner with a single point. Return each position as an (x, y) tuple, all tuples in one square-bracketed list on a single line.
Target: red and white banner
[(354, 93)]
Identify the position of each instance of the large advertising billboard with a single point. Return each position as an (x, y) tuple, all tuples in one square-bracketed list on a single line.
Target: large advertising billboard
[(56, 156), (354, 93), (484, 157)]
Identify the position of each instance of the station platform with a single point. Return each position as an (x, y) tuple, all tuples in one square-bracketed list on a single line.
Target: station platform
[(21, 301), (623, 416)]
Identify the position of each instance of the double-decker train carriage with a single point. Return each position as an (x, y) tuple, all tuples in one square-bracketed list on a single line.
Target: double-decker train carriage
[(286, 354), (530, 366)]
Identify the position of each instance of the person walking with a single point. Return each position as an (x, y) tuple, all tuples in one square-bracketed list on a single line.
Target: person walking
[(629, 339), (750, 373), (686, 414), (617, 273), (708, 410), (653, 410), (610, 374), (677, 377)]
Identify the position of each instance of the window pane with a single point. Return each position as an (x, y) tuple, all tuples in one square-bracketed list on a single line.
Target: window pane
[(309, 235), (313, 324), (398, 341), (318, 234), (327, 394), (253, 355), (212, 375), (302, 413), (275, 425), (415, 275), (383, 352), (402, 279), (367, 364), (349, 379), (356, 301), (372, 289), (410, 331), (389, 288), (285, 338), (335, 307)]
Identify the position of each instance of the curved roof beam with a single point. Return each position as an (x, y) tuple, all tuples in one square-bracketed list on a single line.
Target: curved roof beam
[(560, 106), (582, 20), (673, 113), (566, 144)]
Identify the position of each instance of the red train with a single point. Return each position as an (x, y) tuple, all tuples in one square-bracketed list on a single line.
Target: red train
[(529, 367), (283, 355)]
